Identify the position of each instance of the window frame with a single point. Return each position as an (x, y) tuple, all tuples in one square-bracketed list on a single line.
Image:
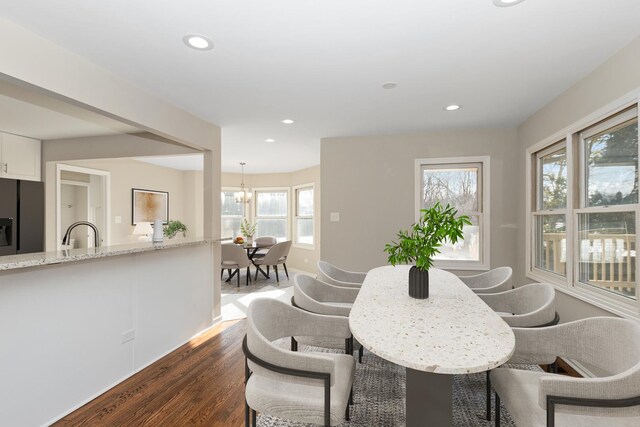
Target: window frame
[(596, 122), (483, 214), (222, 217), (295, 189), (287, 217)]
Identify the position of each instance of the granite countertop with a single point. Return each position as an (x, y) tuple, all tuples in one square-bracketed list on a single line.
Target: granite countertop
[(451, 332), (13, 262)]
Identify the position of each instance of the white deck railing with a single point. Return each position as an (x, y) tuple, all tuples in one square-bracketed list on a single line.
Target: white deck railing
[(610, 258)]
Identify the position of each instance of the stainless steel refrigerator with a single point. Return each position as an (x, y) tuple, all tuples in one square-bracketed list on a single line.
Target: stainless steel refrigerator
[(21, 216)]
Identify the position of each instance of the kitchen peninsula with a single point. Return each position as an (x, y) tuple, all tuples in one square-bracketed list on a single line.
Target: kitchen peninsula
[(74, 323)]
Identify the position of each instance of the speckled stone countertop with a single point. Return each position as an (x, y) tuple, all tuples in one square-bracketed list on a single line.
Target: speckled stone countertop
[(13, 262), (451, 332)]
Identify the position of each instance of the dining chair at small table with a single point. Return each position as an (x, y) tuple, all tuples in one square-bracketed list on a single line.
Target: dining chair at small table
[(234, 258), (276, 255)]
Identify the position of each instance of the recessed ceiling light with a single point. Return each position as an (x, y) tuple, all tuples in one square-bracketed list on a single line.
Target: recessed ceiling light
[(269, 140), (389, 85), (506, 3), (288, 121), (198, 42), (453, 107)]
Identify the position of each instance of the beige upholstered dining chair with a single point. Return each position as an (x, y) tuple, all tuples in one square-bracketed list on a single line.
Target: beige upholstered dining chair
[(275, 256), (264, 241), (313, 295), (306, 387), (234, 258), (537, 399), (496, 280), (529, 306), (333, 275)]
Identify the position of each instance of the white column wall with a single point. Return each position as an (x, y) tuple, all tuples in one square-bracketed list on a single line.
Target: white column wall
[(62, 326)]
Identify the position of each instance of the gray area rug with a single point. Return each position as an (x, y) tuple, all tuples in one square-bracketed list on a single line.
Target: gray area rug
[(379, 397)]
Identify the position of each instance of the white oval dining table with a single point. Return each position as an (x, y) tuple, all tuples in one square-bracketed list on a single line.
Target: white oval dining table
[(451, 332)]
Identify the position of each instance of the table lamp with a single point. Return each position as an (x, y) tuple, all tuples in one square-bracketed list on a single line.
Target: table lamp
[(144, 230)]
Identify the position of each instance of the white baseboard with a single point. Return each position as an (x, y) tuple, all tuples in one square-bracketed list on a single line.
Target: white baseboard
[(216, 321)]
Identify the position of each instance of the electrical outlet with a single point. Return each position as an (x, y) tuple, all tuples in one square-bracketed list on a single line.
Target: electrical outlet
[(129, 335), (334, 216)]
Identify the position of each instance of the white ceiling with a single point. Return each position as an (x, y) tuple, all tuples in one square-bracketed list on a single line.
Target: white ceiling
[(322, 63)]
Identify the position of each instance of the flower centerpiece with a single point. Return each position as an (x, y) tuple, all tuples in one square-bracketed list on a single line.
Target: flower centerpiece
[(248, 230), (421, 244)]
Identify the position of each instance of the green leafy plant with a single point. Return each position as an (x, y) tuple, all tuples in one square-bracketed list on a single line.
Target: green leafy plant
[(247, 229), (173, 227), (421, 243)]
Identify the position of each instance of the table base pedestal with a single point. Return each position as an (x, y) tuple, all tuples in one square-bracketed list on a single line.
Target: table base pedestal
[(429, 399)]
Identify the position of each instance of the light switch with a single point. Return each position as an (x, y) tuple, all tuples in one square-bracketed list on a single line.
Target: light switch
[(334, 216), (118, 219)]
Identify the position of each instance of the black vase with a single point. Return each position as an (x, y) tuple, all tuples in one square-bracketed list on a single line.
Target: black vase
[(418, 283)]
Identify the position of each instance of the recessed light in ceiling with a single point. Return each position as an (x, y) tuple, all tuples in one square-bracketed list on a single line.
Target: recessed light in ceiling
[(453, 107), (269, 140), (506, 3), (288, 121), (198, 42), (389, 85)]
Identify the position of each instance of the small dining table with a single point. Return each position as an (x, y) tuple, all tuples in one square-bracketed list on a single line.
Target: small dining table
[(252, 248), (451, 332)]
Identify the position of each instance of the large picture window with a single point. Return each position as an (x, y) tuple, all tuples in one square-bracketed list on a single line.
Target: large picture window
[(272, 213), (463, 184), (584, 212)]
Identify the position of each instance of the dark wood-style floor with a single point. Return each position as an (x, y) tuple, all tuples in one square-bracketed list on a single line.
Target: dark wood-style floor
[(201, 383)]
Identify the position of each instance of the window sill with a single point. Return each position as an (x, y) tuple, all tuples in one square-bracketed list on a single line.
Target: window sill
[(625, 309), (303, 246), (460, 265)]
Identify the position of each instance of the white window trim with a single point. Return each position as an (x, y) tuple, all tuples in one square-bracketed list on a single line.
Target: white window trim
[(294, 191), (603, 299), (484, 263), (278, 190)]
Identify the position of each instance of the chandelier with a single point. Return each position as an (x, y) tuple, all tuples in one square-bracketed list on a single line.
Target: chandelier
[(242, 196)]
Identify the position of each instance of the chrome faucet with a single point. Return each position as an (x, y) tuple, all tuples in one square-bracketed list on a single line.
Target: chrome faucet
[(96, 234)]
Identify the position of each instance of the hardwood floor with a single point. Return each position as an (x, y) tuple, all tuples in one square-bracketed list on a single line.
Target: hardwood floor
[(201, 383)]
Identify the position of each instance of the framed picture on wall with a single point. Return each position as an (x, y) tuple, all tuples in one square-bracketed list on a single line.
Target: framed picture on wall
[(149, 205)]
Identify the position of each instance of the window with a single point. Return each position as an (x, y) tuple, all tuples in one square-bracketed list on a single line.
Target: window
[(304, 215), (606, 217), (272, 209), (462, 183), (550, 216), (232, 214), (584, 212)]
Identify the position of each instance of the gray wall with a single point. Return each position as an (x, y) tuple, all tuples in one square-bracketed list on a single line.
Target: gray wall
[(370, 181), (613, 79)]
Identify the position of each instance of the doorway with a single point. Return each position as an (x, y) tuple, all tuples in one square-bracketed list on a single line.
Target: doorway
[(82, 195)]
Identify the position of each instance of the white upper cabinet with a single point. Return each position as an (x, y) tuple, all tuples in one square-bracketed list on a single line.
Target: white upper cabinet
[(19, 157)]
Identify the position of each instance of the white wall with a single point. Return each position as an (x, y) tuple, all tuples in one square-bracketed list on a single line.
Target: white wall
[(369, 180), (62, 326), (613, 79)]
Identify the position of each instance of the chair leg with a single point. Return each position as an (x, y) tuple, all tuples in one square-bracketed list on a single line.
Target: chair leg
[(238, 278), (246, 414), (221, 274), (248, 276), (294, 344), (360, 353), (257, 270), (253, 418), (488, 397), (285, 270), (267, 271), (351, 396), (497, 416), (275, 267), (346, 413)]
